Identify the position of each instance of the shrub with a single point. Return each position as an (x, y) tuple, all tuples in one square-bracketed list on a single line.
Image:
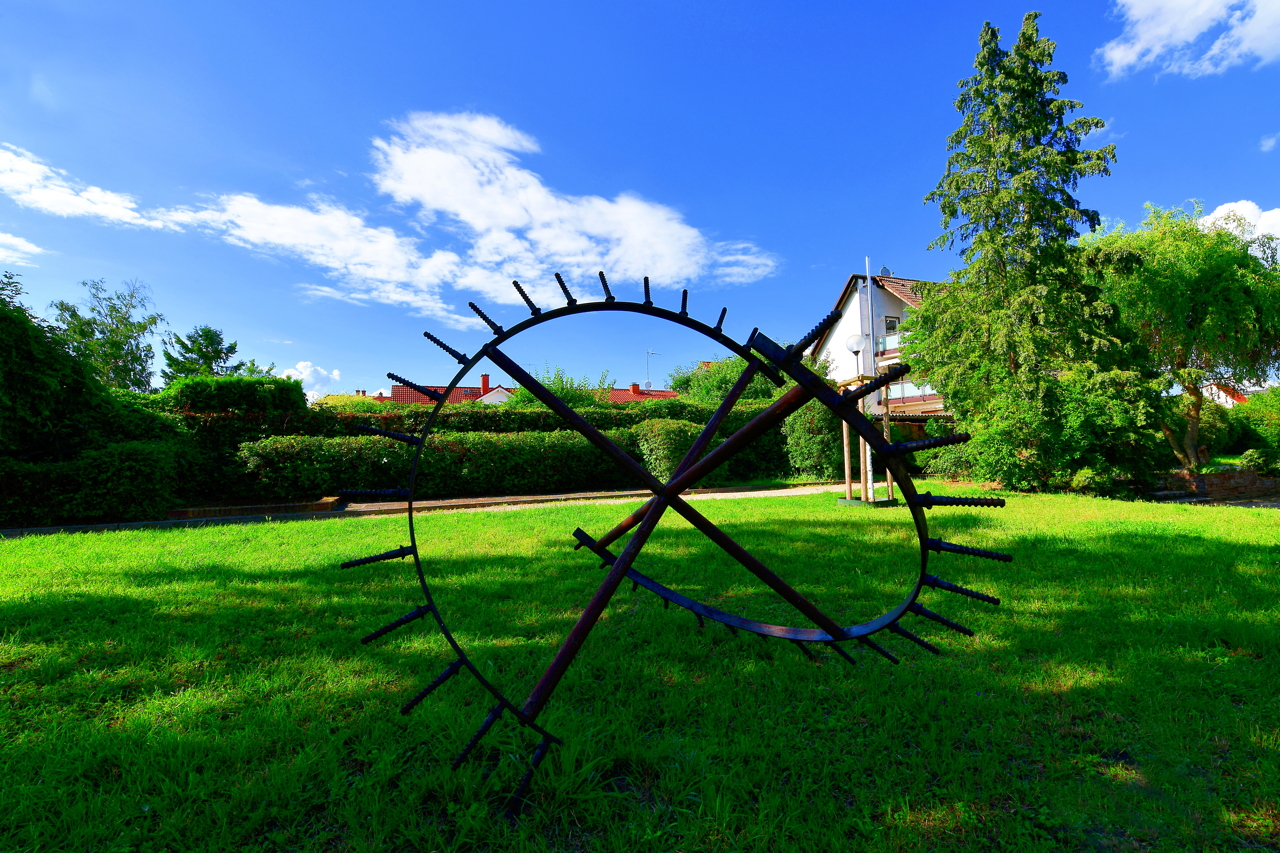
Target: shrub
[(664, 442), (813, 442), (1265, 461), (453, 465), (1259, 420), (129, 481), (267, 394)]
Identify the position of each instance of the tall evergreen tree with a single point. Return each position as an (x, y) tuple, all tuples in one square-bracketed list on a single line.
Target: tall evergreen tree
[(1025, 351), (203, 352)]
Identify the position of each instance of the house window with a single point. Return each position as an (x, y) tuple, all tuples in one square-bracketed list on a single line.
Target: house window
[(890, 325)]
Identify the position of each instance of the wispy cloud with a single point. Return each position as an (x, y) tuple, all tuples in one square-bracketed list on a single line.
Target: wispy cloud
[(1268, 142), (459, 180), (1193, 37), (14, 251), (32, 183), (1259, 221)]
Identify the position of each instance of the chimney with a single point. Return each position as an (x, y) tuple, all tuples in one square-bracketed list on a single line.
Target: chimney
[(635, 388), (484, 384)]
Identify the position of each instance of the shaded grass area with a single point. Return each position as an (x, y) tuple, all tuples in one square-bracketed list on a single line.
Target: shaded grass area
[(206, 688)]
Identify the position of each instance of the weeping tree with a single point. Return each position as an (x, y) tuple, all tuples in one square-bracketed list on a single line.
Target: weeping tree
[(110, 332), (1204, 300)]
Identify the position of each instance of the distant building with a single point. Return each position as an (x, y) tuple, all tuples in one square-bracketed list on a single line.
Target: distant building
[(635, 394), (486, 393), (865, 341)]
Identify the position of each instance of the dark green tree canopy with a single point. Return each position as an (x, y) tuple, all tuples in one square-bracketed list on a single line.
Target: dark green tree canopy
[(203, 352), (710, 381), (111, 331)]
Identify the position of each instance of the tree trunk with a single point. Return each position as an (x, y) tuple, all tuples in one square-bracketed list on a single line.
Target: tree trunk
[(1191, 441), (1173, 442)]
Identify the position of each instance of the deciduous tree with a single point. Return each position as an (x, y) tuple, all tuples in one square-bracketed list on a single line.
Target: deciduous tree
[(110, 330)]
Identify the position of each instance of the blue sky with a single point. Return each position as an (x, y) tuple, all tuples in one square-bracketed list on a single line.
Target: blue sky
[(324, 181)]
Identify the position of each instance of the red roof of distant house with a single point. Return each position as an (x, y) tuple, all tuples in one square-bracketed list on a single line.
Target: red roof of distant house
[(461, 394), (636, 394)]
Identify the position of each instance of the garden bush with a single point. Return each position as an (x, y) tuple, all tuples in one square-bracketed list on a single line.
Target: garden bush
[(1265, 461), (268, 394), (129, 481), (453, 465), (1258, 420), (664, 442), (813, 442)]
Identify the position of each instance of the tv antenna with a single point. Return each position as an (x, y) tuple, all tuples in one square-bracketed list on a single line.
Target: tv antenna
[(647, 384)]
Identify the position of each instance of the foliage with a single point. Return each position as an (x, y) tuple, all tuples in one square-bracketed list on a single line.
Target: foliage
[(1265, 461), (709, 382), (203, 352), (815, 447), (575, 392), (1258, 420), (452, 465), (265, 394), (664, 442), (127, 481), (109, 336), (1201, 302)]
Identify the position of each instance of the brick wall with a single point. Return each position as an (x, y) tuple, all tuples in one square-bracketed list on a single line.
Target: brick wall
[(1227, 485)]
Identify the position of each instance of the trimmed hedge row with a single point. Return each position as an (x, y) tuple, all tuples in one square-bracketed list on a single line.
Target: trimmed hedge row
[(129, 481), (470, 464)]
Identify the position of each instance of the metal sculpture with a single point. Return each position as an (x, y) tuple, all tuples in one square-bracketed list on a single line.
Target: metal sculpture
[(764, 357)]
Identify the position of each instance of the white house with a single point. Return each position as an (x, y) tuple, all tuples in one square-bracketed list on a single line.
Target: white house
[(864, 342)]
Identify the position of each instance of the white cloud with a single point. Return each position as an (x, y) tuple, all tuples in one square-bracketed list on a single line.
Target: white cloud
[(1175, 34), (1259, 220), (460, 178), (33, 184), (382, 392), (1269, 142), (14, 251), (315, 380)]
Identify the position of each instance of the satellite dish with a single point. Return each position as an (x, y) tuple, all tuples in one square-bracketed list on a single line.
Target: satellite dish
[(648, 386), (885, 271)]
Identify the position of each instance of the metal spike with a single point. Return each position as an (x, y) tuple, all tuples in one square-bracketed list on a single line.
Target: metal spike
[(926, 443), (533, 309), (402, 551), (386, 433), (799, 645), (449, 672), (920, 610), (411, 616), (684, 303), (938, 583), (835, 647), (891, 375), (924, 644), (429, 393), (514, 804), (952, 548), (461, 358), (568, 297), (648, 300), (720, 323), (494, 713), (604, 282), (877, 648), (732, 630), (666, 604), (797, 349), (701, 624), (928, 501), (358, 494), (635, 586), (497, 330)]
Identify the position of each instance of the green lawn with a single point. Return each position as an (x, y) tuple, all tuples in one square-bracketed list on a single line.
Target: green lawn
[(206, 688)]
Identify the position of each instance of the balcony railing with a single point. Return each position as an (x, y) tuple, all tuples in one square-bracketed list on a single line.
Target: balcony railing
[(884, 343), (899, 390)]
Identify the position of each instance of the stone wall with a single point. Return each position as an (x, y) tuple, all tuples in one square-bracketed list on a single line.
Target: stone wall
[(1226, 485)]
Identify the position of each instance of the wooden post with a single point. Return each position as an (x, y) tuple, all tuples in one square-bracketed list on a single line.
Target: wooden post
[(865, 476), (848, 462), (888, 476)]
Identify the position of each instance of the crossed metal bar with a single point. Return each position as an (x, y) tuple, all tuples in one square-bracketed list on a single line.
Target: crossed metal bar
[(690, 470)]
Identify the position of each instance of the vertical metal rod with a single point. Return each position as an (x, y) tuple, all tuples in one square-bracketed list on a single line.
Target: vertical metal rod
[(862, 458), (578, 635), (888, 475)]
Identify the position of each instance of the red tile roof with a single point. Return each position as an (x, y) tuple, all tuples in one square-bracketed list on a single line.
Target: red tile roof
[(461, 394), (627, 395), (903, 288)]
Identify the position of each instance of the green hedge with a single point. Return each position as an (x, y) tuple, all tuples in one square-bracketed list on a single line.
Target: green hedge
[(453, 465), (664, 442), (1258, 420), (268, 394), (130, 481)]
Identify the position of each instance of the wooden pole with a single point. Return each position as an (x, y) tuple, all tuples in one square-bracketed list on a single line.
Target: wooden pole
[(864, 470), (888, 477), (848, 462)]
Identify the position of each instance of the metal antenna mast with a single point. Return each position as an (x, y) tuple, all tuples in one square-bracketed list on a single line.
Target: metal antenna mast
[(647, 353)]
